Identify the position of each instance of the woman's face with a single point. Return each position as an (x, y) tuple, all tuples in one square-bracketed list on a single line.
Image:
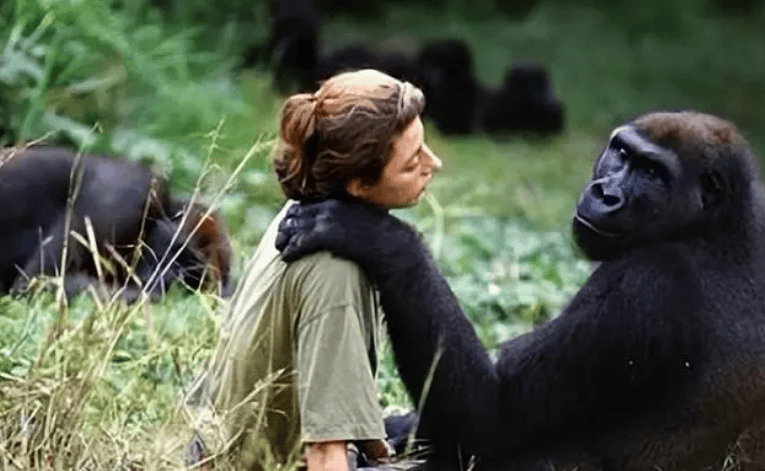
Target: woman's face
[(404, 178)]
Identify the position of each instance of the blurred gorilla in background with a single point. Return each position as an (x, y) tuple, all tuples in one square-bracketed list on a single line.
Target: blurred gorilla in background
[(293, 47), (460, 104), (446, 77), (524, 102), (357, 56), (456, 101), (102, 220)]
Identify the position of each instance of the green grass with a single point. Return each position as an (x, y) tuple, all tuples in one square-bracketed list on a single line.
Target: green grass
[(163, 87), (608, 64)]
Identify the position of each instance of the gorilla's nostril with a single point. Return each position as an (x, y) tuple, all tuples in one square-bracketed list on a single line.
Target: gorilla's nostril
[(611, 200)]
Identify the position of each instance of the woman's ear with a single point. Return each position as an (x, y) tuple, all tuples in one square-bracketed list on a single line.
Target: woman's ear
[(356, 188)]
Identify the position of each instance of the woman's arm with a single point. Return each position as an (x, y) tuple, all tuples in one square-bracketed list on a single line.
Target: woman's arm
[(327, 456)]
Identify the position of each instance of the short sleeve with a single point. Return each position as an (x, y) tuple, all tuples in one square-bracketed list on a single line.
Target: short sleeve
[(337, 392)]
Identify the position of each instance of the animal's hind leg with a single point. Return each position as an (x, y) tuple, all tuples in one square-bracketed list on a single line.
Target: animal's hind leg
[(45, 260), (749, 451)]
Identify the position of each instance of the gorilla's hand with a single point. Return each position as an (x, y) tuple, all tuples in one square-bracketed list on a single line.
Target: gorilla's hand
[(362, 233)]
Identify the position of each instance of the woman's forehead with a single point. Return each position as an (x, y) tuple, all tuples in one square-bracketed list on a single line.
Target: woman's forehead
[(405, 144), (412, 133)]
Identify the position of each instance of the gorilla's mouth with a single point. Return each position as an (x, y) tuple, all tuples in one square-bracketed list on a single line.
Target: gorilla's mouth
[(583, 221)]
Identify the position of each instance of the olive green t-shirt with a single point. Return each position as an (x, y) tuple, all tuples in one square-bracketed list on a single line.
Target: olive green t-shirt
[(297, 356)]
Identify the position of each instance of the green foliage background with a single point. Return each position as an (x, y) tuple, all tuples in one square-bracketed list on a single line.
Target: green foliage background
[(94, 384)]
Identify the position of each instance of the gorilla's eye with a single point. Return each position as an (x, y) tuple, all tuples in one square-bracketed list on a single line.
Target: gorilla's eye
[(651, 169), (623, 153), (713, 187)]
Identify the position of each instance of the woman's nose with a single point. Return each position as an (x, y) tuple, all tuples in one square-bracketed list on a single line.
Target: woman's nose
[(435, 162)]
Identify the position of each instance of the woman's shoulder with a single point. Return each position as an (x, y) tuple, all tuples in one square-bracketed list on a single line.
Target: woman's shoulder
[(326, 263), (328, 280), (323, 264)]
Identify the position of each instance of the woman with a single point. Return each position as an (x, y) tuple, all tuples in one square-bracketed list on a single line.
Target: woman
[(295, 366)]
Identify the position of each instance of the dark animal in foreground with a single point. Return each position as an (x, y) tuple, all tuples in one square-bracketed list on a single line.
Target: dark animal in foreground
[(658, 362), (398, 427), (144, 238)]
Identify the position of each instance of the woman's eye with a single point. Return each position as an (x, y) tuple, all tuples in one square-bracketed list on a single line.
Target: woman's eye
[(413, 163)]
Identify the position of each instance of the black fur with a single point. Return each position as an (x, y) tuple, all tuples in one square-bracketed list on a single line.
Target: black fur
[(357, 56), (524, 102), (399, 428), (293, 47), (133, 217), (460, 104), (447, 79), (455, 100), (658, 362)]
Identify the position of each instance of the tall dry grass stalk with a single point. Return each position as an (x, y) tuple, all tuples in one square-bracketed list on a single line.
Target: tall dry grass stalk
[(75, 406)]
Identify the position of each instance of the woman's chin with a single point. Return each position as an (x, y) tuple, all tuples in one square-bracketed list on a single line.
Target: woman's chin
[(404, 204), (423, 194)]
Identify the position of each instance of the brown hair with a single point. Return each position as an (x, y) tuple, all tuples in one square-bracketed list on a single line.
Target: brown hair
[(342, 132)]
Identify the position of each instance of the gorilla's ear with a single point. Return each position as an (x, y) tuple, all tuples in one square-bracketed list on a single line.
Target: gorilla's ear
[(712, 188)]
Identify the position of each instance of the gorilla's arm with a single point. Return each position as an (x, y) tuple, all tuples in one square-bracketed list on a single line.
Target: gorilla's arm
[(626, 340), (630, 338), (424, 320)]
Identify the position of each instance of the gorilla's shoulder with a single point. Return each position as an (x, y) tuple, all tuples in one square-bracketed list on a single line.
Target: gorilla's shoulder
[(662, 262), (643, 281)]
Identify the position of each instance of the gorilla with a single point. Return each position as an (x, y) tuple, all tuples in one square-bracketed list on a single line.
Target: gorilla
[(443, 69), (357, 56), (457, 102), (445, 74), (460, 104), (658, 362), (293, 47), (144, 238), (398, 428), (524, 102)]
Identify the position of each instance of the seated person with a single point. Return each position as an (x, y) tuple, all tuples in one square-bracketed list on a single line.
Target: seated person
[(295, 366)]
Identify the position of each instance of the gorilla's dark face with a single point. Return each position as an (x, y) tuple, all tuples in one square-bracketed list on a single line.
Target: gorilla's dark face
[(639, 193)]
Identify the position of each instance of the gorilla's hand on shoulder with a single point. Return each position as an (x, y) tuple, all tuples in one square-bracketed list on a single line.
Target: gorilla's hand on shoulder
[(331, 224), (359, 232)]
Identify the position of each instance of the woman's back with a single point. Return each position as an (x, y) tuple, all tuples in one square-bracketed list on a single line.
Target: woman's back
[(261, 379)]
